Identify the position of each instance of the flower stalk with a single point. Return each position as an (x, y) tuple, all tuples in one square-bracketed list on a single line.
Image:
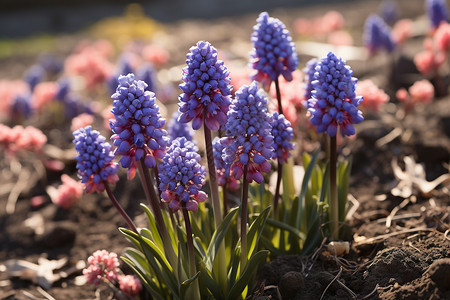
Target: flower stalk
[(117, 205), (244, 221), (190, 243), (334, 205)]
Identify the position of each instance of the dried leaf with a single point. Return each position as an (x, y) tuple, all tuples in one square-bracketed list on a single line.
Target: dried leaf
[(413, 179)]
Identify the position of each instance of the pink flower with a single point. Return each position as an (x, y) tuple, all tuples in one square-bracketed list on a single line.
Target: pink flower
[(91, 64), (292, 97), (68, 193), (240, 76), (43, 94), (340, 38), (428, 61), (9, 90), (107, 115), (402, 30), (130, 284), (332, 21), (420, 92), (81, 121), (442, 37), (302, 26), (156, 55), (102, 265), (373, 96), (19, 138)]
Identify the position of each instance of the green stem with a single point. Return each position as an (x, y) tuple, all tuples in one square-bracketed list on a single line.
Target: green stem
[(277, 88), (119, 207), (190, 243), (244, 201), (334, 205), (225, 199), (221, 259), (152, 197), (277, 188)]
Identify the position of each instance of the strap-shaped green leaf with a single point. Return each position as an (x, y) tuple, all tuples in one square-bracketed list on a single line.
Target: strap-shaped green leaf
[(152, 226), (185, 285), (284, 226), (218, 237), (255, 231), (148, 286), (131, 238), (207, 278), (305, 182), (234, 265), (344, 170), (250, 270)]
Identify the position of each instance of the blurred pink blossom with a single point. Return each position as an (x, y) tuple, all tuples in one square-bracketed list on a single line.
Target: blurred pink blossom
[(320, 26), (19, 138), (239, 76), (91, 63), (102, 264), (156, 55), (130, 284), (373, 96), (107, 115), (402, 30), (81, 120), (292, 97), (332, 21), (68, 193), (43, 94), (420, 92), (442, 37), (9, 89), (428, 61), (340, 38)]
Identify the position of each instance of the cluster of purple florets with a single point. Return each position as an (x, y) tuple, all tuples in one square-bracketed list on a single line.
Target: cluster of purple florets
[(437, 12), (249, 139), (274, 53), (206, 89), (283, 134), (178, 129), (377, 35), (94, 160), (333, 102), (222, 168), (309, 71), (181, 176), (138, 125)]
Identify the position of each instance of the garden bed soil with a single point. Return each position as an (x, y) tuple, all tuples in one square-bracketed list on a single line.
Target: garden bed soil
[(402, 255)]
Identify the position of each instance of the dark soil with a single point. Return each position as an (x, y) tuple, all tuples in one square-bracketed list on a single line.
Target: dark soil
[(409, 259)]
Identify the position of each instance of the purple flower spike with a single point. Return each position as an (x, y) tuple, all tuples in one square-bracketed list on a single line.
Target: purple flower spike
[(389, 11), (309, 71), (249, 139), (437, 12), (34, 75), (206, 89), (138, 124), (146, 73), (222, 168), (21, 107), (282, 136), (377, 35), (94, 160), (273, 53), (177, 129), (181, 176), (333, 102)]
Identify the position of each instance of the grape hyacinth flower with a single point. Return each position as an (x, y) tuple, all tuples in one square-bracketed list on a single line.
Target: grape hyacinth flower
[(283, 134), (68, 193), (248, 129), (389, 11), (182, 176), (178, 129), (34, 75), (94, 160), (138, 125), (377, 35), (309, 71), (146, 73), (130, 284), (223, 169), (437, 12), (21, 106), (274, 53), (206, 89), (334, 103)]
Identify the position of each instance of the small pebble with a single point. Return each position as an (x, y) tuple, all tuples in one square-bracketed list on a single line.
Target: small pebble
[(290, 284), (440, 273)]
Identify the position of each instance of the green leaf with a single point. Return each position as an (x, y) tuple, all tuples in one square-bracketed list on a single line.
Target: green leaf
[(208, 280), (185, 285), (250, 270), (152, 226), (344, 170), (255, 231), (301, 197), (218, 237), (234, 266), (162, 267), (286, 227), (151, 288)]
